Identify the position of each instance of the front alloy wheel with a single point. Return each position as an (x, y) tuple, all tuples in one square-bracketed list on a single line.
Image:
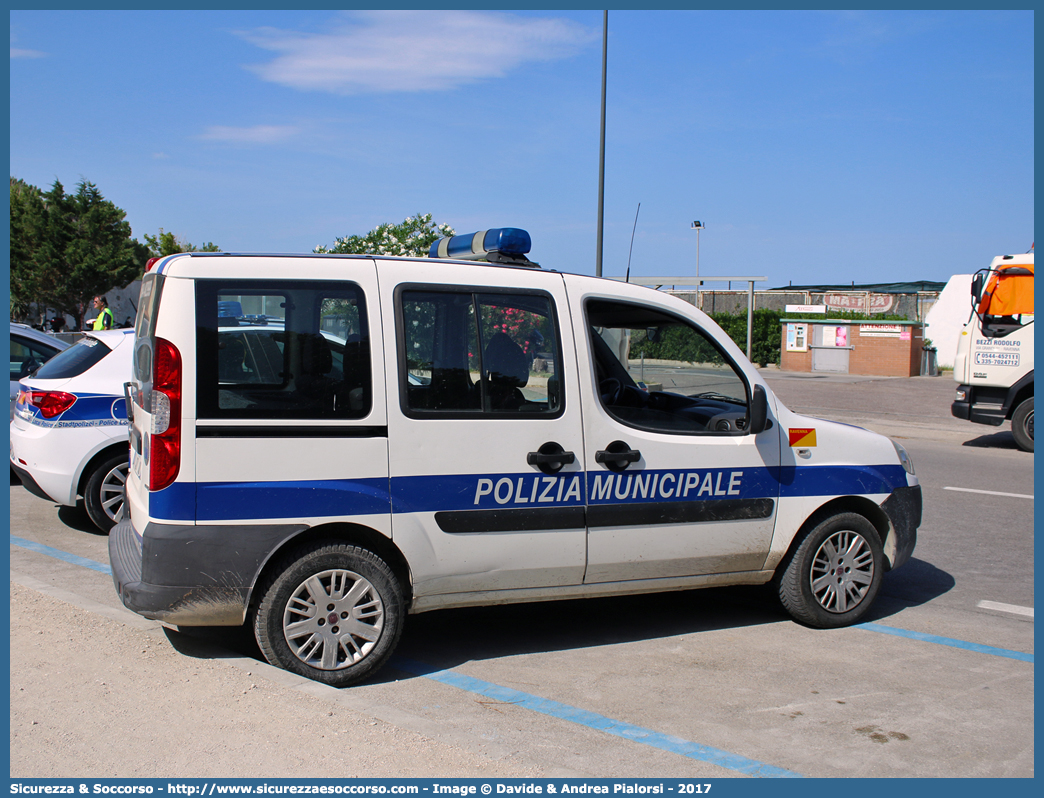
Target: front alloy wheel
[(831, 579), (842, 571)]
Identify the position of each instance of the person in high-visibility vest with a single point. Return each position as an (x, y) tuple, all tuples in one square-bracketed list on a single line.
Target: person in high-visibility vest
[(104, 320)]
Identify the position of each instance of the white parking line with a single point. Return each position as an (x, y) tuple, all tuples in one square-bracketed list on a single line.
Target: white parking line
[(1012, 608), (993, 493)]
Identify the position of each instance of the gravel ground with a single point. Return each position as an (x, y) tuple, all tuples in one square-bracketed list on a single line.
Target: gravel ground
[(118, 716)]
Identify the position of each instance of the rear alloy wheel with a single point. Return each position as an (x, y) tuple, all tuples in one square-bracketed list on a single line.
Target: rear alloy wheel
[(104, 494), (334, 613), (1022, 425), (833, 576)]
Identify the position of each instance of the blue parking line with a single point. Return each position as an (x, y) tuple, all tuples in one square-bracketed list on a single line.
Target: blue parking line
[(592, 720), (60, 555), (946, 641)]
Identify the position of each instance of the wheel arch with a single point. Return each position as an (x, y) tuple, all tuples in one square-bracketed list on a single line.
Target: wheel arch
[(358, 535), (844, 504), (97, 458), (1019, 393)]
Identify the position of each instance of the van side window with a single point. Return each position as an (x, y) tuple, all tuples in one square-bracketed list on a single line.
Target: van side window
[(479, 354), (658, 372), (282, 349)]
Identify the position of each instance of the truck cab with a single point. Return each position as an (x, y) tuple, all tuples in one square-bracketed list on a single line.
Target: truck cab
[(994, 361)]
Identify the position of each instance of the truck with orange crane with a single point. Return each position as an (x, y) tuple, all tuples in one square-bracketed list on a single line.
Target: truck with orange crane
[(994, 362)]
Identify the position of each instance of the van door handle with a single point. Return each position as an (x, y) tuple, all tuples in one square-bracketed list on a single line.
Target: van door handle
[(617, 456), (550, 458)]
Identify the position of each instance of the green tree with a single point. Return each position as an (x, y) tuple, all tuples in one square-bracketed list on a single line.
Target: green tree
[(412, 237), (169, 244), (74, 248), (27, 219)]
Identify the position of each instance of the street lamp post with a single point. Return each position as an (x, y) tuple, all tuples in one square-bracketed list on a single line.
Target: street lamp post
[(697, 226)]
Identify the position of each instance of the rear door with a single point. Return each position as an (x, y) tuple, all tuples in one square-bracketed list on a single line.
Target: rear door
[(290, 410), (485, 432), (676, 485)]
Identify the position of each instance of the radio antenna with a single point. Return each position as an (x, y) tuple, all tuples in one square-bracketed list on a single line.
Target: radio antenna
[(627, 279)]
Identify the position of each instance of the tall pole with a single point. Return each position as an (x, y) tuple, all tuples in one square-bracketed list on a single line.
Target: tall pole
[(601, 149), (697, 226)]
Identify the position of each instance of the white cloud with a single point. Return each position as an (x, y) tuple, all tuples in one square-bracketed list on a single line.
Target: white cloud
[(396, 51), (19, 53), (258, 134)]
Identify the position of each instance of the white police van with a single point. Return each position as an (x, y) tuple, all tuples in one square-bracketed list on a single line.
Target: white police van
[(322, 444)]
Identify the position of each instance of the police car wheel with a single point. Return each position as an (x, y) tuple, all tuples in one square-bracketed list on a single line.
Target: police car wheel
[(103, 496), (332, 613), (1022, 425), (833, 576)]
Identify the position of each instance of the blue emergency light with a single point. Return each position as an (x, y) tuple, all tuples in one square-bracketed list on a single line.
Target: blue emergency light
[(502, 244)]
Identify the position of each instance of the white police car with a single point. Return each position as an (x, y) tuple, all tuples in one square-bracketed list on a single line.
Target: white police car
[(30, 349), (440, 459), (69, 431)]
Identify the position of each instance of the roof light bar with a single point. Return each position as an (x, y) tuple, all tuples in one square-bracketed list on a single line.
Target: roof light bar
[(499, 245)]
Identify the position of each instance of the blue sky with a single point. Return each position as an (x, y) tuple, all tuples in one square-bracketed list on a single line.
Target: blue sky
[(815, 146)]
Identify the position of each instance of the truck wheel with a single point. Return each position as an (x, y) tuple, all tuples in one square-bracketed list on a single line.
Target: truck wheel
[(1022, 425), (104, 493), (833, 576), (332, 613)]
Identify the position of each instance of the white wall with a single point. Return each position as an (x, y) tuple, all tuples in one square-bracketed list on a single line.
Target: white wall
[(123, 303), (947, 317)]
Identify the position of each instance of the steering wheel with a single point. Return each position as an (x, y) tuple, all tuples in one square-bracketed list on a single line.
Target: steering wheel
[(610, 389)]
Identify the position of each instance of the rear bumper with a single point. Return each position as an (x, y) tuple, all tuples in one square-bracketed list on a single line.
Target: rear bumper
[(903, 509), (199, 605), (31, 484), (191, 575)]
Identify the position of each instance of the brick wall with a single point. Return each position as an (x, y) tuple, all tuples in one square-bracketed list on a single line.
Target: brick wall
[(873, 355)]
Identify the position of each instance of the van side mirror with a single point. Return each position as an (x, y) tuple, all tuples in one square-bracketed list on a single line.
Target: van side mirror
[(758, 411), (653, 335), (976, 288)]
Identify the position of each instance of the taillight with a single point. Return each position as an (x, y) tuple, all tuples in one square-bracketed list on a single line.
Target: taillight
[(50, 403), (165, 406), (150, 263)]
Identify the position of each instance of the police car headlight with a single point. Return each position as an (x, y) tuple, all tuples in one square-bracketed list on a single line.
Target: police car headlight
[(904, 457)]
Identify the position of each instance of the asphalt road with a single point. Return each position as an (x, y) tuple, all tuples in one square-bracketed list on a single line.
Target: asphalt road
[(701, 684)]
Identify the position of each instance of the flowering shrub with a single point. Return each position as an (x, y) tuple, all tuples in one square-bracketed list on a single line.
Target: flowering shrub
[(412, 237), (516, 323)]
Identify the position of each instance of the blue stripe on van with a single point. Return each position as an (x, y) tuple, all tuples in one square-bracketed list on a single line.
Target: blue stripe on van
[(840, 480), (225, 501)]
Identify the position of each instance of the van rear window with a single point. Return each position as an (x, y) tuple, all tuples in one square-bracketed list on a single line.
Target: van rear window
[(148, 300), (282, 349)]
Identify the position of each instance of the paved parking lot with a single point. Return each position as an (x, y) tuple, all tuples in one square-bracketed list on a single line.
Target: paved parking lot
[(700, 684)]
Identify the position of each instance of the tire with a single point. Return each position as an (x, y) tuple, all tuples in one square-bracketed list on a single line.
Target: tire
[(833, 576), (103, 496), (350, 637), (1022, 425)]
